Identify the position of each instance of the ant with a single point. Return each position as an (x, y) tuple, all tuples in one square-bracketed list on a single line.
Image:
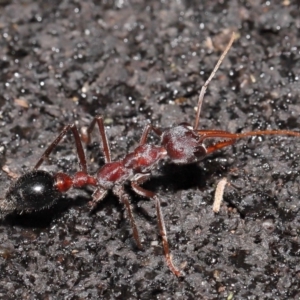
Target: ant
[(180, 144)]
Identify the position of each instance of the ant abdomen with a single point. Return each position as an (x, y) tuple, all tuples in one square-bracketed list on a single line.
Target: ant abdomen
[(35, 190), (183, 144)]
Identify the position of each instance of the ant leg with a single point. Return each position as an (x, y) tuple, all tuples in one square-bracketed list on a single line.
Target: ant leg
[(146, 131), (213, 73), (219, 145), (119, 191), (160, 218), (86, 137), (98, 195), (79, 148)]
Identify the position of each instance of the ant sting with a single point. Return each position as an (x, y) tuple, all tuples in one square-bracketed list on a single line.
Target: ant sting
[(180, 144)]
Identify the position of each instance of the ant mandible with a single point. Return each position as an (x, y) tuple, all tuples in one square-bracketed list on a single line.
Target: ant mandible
[(180, 144)]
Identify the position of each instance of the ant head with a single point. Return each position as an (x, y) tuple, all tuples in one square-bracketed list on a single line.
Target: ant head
[(32, 191), (183, 144)]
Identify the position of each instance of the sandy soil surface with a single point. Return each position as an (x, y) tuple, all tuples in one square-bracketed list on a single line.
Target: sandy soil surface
[(136, 62)]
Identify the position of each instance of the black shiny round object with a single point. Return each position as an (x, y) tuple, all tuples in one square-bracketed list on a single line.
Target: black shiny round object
[(33, 191)]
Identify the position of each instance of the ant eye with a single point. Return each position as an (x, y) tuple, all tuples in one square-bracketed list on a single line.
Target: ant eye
[(31, 192)]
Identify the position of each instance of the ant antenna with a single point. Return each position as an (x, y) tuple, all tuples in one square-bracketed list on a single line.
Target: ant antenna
[(213, 73)]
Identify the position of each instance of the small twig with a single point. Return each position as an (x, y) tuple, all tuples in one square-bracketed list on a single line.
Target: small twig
[(10, 173), (219, 194)]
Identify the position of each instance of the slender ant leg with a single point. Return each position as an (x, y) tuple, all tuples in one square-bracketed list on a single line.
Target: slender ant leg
[(135, 184), (119, 191), (79, 148), (98, 195), (146, 132), (87, 137), (160, 220)]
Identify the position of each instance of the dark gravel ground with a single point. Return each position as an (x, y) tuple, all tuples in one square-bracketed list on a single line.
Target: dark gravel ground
[(66, 61)]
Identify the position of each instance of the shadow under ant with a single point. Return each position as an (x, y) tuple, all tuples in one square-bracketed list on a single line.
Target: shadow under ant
[(178, 177), (40, 219)]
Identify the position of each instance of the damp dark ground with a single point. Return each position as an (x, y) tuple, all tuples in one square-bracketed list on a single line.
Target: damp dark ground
[(136, 62)]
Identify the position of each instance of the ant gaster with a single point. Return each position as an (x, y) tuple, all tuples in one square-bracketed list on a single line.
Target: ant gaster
[(181, 144)]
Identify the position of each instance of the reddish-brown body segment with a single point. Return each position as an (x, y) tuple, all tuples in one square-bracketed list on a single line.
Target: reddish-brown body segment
[(112, 173), (63, 182), (144, 157), (183, 144)]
